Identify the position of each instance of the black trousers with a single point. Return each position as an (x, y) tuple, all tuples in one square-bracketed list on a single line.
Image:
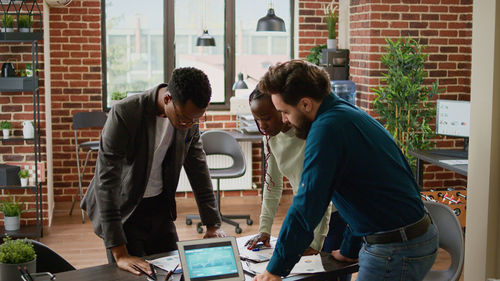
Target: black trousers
[(149, 230)]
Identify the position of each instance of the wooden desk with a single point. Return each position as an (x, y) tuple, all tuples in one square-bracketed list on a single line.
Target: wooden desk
[(110, 272), (429, 157)]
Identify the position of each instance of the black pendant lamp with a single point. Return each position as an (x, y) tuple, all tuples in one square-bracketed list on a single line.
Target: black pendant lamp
[(240, 84), (271, 22), (205, 40)]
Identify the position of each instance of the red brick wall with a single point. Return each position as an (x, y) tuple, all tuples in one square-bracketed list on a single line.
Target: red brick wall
[(312, 26), (445, 26), (75, 43)]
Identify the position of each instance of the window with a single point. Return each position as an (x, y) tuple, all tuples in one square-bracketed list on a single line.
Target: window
[(136, 40)]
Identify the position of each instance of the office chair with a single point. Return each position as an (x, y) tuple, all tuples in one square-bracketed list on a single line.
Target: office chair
[(222, 143), (48, 260), (451, 239), (84, 120)]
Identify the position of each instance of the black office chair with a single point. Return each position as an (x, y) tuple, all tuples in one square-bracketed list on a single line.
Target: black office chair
[(48, 260), (222, 143), (84, 120)]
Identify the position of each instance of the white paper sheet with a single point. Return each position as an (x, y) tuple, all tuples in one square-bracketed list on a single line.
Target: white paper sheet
[(306, 264), (257, 256), (455, 162), (167, 263)]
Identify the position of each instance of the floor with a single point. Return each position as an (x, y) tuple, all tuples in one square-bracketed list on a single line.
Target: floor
[(78, 244)]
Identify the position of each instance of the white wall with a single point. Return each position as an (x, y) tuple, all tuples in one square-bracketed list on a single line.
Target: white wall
[(482, 247)]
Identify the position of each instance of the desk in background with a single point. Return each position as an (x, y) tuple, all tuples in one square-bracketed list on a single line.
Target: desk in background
[(432, 158), (112, 272), (458, 197)]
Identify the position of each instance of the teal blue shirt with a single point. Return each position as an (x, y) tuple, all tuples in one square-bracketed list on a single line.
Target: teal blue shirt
[(351, 160)]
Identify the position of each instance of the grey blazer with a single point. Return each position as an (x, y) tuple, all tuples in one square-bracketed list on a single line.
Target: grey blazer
[(124, 163)]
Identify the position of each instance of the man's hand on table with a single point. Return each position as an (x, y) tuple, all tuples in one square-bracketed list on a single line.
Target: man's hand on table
[(127, 262), (213, 232), (266, 276), (338, 256)]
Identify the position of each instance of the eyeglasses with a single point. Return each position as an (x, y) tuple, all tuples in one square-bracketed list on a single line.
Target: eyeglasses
[(182, 120)]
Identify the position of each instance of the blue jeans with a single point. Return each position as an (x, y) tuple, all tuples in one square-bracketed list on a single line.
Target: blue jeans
[(410, 260)]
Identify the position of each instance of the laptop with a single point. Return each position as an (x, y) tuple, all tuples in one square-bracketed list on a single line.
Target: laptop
[(210, 259)]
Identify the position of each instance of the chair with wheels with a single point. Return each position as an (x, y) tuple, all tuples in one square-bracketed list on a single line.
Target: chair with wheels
[(451, 239), (222, 143), (48, 261), (84, 120)]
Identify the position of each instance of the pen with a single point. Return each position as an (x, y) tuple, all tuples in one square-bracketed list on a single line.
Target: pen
[(153, 273), (144, 272), (170, 272)]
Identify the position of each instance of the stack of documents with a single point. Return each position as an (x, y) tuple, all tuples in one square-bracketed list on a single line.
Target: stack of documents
[(256, 262)]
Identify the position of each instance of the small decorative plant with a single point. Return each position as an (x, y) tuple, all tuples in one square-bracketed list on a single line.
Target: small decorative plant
[(316, 53), (404, 103), (11, 208), (24, 174), (24, 23), (7, 21), (5, 125), (331, 18), (16, 251)]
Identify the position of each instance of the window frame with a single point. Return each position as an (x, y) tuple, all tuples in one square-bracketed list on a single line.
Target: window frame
[(169, 53)]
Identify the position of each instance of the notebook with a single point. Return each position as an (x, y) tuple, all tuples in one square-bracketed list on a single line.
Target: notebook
[(210, 259)]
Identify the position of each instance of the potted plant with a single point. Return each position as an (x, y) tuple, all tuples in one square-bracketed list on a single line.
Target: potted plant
[(316, 54), (24, 176), (24, 23), (404, 102), (12, 213), (331, 18), (6, 126), (7, 23), (14, 254)]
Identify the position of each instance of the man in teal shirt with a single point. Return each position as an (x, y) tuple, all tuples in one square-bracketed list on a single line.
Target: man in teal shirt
[(351, 160)]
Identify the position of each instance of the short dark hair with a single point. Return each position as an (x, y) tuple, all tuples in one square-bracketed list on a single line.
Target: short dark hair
[(189, 83), (294, 80)]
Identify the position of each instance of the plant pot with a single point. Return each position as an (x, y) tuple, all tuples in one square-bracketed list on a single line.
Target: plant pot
[(12, 224), (11, 273), (24, 29), (331, 44), (24, 181), (7, 29), (6, 133)]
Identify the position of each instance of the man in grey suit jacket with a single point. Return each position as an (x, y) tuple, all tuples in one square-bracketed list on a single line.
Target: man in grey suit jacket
[(145, 142)]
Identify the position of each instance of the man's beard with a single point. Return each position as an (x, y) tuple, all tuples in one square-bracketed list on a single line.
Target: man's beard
[(301, 130)]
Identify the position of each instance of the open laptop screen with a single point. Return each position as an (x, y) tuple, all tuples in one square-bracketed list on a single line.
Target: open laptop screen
[(210, 259)]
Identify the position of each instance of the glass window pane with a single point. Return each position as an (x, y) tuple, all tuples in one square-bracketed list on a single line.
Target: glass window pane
[(191, 17), (134, 45), (256, 51)]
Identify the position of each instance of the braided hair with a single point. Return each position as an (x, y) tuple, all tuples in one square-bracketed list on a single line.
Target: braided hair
[(256, 95)]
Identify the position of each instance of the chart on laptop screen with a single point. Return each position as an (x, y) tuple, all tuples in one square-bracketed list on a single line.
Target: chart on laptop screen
[(212, 261)]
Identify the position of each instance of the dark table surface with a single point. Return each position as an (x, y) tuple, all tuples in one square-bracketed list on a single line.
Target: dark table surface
[(429, 157), (109, 272)]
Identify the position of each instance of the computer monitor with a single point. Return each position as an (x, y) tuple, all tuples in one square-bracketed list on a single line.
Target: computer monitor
[(453, 119)]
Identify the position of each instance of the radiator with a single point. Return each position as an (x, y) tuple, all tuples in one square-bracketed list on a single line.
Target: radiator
[(221, 161)]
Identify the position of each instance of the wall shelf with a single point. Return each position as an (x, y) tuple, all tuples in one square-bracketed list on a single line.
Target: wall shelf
[(18, 84)]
